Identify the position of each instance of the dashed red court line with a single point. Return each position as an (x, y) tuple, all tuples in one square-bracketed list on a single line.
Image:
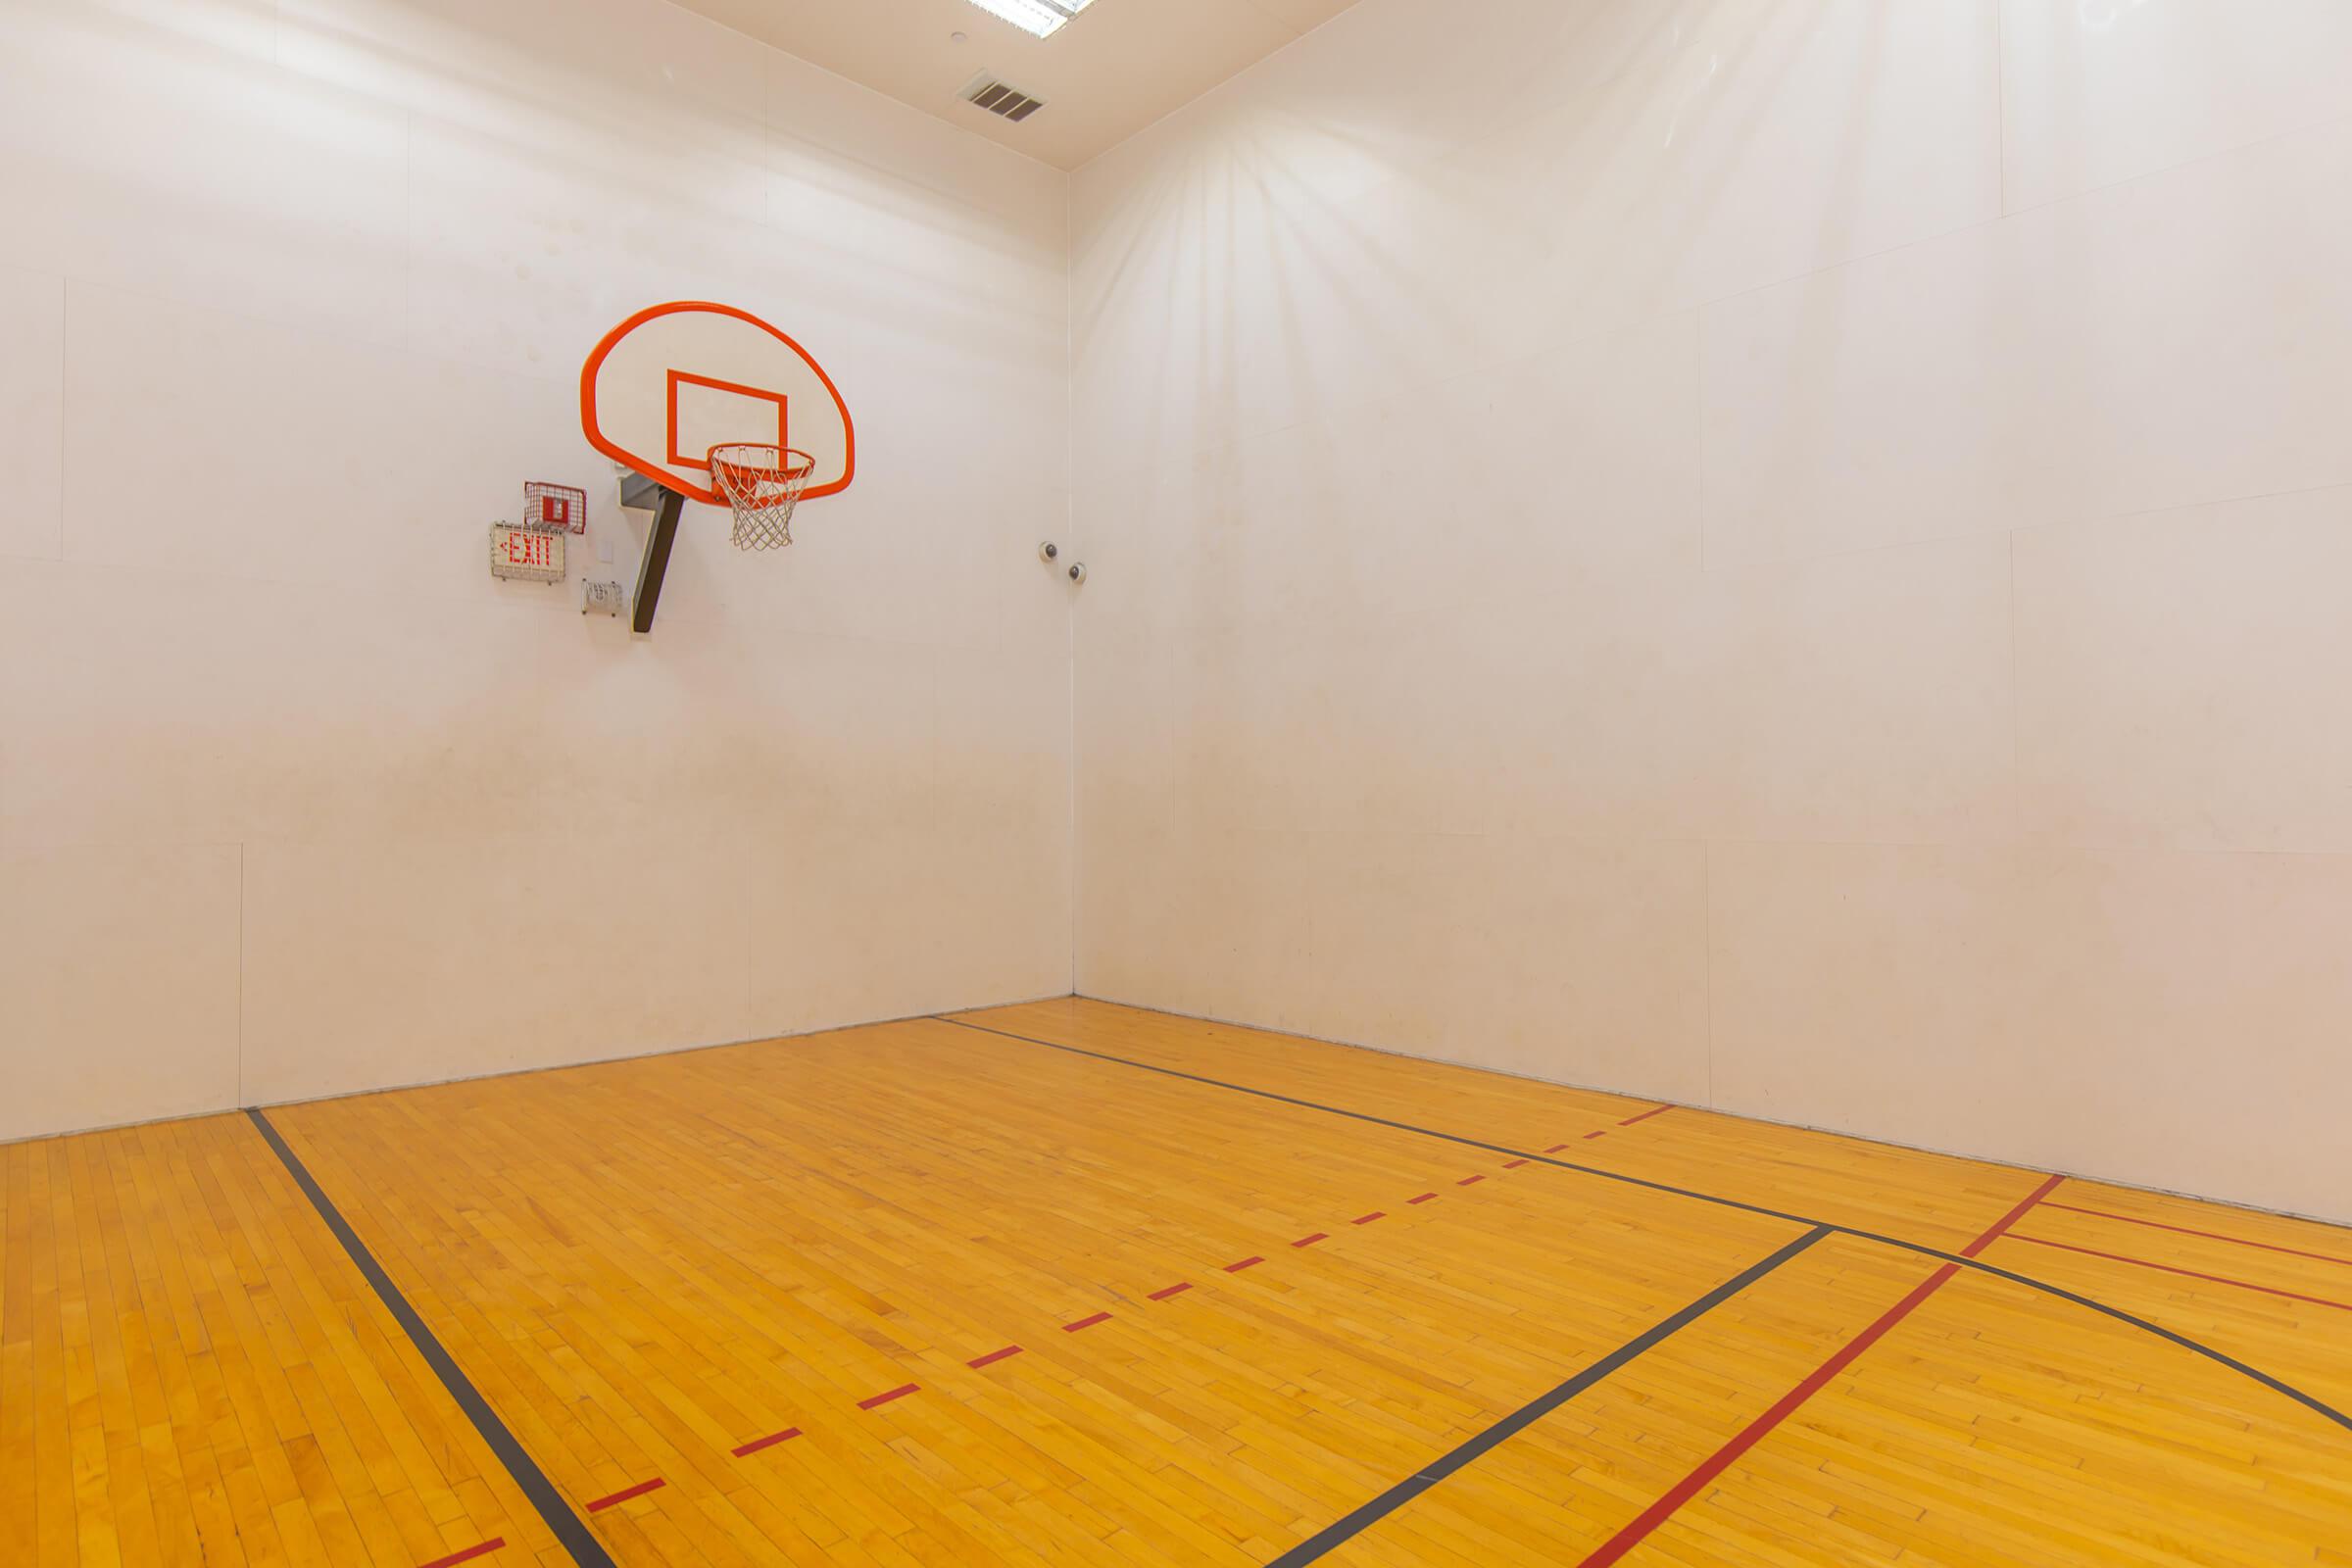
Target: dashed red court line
[(758, 1444), (1699, 1480), (769, 1442), (2211, 1236), (625, 1494), (482, 1549), (2186, 1273)]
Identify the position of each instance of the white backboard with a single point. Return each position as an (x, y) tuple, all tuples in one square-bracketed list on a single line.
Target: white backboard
[(674, 380)]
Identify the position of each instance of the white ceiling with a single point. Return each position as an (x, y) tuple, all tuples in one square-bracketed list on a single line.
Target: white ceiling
[(1119, 65)]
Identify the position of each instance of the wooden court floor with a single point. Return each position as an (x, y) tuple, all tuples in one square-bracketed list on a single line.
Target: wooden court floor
[(1076, 1283)]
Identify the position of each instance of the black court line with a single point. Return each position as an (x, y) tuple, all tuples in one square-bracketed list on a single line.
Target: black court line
[(1921, 1248), (1526, 1415), (566, 1526)]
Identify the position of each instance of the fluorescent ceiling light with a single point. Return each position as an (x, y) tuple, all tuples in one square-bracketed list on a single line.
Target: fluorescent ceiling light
[(1044, 17)]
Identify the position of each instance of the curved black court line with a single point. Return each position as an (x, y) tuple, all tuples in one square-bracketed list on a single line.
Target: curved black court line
[(2220, 1358), (566, 1526), (1526, 1415)]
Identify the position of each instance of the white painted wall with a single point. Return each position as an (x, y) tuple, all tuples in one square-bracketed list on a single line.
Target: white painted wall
[(1789, 555), (294, 799), (1784, 554)]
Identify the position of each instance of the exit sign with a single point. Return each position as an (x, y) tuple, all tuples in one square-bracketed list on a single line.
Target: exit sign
[(530, 553)]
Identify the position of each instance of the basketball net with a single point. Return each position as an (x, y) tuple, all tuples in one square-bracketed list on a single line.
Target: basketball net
[(762, 484)]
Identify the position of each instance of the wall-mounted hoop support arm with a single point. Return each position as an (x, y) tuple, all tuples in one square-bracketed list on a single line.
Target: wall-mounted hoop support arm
[(668, 505)]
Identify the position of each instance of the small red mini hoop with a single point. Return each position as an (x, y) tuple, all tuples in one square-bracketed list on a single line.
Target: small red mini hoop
[(554, 508)]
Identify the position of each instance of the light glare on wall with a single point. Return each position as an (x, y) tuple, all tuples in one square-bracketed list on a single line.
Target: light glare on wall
[(1044, 17)]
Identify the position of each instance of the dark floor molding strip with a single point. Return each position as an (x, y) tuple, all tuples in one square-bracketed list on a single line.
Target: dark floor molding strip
[(565, 1525)]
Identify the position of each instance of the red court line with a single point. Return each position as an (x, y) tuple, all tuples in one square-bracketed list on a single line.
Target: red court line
[(881, 1400), (2211, 1236), (1309, 1241), (622, 1497), (1086, 1323), (2186, 1273), (1246, 1262), (467, 1555), (2000, 1227), (1513, 1164), (1423, 1199), (1556, 1147), (769, 1442), (1177, 1289), (1722, 1459), (1655, 1110), (993, 1357), (1589, 1137), (1469, 1181), (1366, 1219)]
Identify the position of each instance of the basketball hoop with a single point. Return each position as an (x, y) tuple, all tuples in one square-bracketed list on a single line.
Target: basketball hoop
[(762, 484)]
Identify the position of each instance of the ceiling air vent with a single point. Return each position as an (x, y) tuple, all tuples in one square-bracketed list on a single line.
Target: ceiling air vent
[(999, 99)]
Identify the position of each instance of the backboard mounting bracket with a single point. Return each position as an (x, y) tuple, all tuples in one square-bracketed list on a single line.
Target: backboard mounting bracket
[(638, 493), (668, 505)]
